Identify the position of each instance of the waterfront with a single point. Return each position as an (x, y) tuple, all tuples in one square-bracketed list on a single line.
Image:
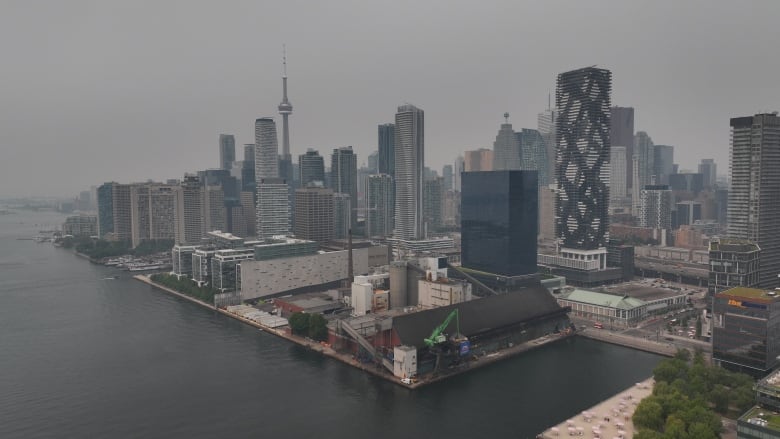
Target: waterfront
[(84, 356)]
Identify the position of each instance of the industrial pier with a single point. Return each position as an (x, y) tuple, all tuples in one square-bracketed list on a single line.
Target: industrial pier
[(508, 334)]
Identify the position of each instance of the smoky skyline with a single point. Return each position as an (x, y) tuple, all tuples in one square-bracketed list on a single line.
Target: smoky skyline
[(96, 91)]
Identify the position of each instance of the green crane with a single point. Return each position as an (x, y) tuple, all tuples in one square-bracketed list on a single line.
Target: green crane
[(437, 336)]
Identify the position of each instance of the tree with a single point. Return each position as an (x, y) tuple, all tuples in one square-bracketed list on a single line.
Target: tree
[(649, 414), (645, 433), (698, 430), (670, 370), (299, 323), (318, 327), (675, 428)]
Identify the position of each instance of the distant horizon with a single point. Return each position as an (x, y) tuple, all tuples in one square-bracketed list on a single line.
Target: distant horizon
[(89, 99)]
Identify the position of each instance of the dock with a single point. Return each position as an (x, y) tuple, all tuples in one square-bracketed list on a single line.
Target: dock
[(652, 346), (609, 419)]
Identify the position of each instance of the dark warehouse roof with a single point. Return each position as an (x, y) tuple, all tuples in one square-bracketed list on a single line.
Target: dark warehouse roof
[(478, 316)]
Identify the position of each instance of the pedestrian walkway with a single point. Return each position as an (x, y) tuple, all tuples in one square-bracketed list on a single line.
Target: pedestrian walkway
[(610, 419)]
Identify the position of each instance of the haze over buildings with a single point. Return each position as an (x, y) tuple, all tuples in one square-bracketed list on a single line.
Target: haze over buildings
[(110, 76)]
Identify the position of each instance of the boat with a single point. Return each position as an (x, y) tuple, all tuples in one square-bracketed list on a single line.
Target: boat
[(144, 267)]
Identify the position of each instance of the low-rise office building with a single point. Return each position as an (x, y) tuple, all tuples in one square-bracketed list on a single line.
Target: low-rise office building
[(610, 309)]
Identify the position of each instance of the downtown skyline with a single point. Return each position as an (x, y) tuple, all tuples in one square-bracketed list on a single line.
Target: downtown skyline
[(77, 114)]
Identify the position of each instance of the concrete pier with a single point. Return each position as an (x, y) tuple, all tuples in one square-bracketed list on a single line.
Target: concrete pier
[(608, 419)]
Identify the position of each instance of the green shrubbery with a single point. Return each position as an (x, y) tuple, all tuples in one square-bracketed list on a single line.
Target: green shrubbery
[(186, 286), (685, 396), (309, 325), (100, 248)]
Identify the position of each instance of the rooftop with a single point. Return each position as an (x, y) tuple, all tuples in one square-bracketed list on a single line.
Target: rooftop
[(643, 291), (602, 299), (749, 293), (762, 417)]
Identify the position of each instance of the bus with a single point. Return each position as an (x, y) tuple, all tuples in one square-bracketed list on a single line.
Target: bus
[(598, 325)]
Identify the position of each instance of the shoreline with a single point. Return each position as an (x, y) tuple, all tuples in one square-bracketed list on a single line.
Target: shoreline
[(665, 349), (347, 359)]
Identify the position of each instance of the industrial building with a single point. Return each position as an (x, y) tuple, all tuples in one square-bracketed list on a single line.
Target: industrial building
[(397, 340)]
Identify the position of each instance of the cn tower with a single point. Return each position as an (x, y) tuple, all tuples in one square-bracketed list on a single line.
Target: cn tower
[(285, 109)]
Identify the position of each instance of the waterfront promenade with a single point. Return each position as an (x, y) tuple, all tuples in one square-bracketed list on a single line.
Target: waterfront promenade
[(608, 419), (661, 348)]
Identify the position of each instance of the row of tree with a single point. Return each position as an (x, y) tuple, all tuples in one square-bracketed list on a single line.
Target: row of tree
[(100, 248), (686, 397), (186, 286), (313, 326)]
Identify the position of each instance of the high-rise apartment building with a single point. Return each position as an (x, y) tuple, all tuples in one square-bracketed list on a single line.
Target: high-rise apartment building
[(506, 148), (379, 205), (373, 162), (621, 133), (709, 170), (105, 206), (248, 206), (583, 148), (479, 160), (213, 208), (227, 151), (663, 163), (433, 195), (266, 149), (120, 197), (446, 173), (312, 167), (273, 208), (314, 214), (409, 164), (733, 263), (342, 213), (753, 207), (500, 222), (188, 212), (344, 178), (458, 168), (386, 140), (152, 212), (533, 154), (643, 166), (617, 173), (656, 207), (248, 168)]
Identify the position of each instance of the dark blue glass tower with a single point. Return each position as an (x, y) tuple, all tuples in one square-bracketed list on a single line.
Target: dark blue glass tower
[(500, 221)]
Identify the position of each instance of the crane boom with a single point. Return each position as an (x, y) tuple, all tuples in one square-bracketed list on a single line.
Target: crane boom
[(436, 336)]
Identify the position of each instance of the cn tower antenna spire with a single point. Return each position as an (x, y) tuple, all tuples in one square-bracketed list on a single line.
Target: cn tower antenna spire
[(285, 109)]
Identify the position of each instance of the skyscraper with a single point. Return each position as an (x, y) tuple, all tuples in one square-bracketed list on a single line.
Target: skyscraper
[(663, 163), (314, 214), (248, 168), (506, 148), (582, 203), (753, 207), (227, 151), (342, 212), (379, 205), (621, 133), (409, 164), (643, 162), (386, 140), (266, 149), (343, 176), (105, 203), (188, 212), (446, 173), (546, 122), (433, 195), (533, 154), (617, 176), (312, 167), (458, 168), (500, 222), (709, 171), (273, 206), (478, 160), (285, 109), (656, 207)]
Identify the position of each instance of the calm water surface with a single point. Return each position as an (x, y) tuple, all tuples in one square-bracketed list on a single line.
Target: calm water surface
[(86, 357)]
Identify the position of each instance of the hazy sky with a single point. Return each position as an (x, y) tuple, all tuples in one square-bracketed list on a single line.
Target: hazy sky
[(94, 91)]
